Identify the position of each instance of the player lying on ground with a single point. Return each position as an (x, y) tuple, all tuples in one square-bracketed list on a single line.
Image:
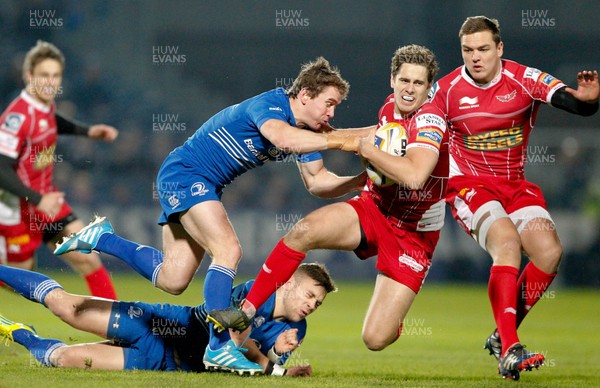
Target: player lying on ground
[(162, 336)]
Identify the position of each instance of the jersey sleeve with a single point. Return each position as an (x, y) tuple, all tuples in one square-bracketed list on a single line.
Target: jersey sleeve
[(301, 326), (310, 157), (431, 129), (265, 109), (540, 85), (12, 130), (437, 98), (239, 292)]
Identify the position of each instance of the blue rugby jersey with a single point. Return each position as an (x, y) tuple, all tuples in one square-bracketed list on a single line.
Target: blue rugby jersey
[(265, 330), (230, 142)]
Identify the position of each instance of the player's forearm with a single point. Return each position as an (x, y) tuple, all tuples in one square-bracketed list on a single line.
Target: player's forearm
[(255, 355), (329, 185), (67, 126), (360, 132), (566, 101), (9, 181), (300, 141), (410, 171)]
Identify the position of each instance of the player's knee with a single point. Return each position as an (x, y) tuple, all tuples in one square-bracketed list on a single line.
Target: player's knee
[(228, 254), (375, 343), (174, 288), (303, 233), (68, 357), (550, 258), (505, 250), (556, 256), (236, 254), (59, 358), (375, 340), (57, 302)]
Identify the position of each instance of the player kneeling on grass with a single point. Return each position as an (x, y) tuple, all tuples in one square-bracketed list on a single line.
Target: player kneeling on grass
[(162, 336)]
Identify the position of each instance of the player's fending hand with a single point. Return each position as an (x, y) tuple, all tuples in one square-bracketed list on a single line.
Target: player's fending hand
[(588, 88), (366, 143), (51, 203), (103, 132), (287, 341), (299, 371)]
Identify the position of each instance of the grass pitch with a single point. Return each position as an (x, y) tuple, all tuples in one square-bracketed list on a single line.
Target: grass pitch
[(441, 345)]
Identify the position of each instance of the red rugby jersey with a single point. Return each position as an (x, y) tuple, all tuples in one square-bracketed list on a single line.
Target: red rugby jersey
[(28, 134), (489, 125), (421, 209)]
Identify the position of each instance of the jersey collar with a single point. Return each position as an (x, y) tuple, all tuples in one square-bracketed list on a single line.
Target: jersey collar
[(35, 103), (493, 82)]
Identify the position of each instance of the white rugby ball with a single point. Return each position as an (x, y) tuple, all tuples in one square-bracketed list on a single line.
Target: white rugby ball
[(390, 138)]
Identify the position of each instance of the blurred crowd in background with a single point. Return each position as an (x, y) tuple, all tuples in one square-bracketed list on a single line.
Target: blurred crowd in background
[(156, 106)]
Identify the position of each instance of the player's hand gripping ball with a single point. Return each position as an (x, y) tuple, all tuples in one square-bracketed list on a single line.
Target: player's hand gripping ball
[(390, 138)]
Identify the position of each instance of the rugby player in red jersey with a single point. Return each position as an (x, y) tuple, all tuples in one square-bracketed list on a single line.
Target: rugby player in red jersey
[(32, 210), (491, 105), (400, 222)]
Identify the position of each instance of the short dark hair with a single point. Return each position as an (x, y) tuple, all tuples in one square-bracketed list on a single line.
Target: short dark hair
[(481, 23), (417, 55), (317, 75), (40, 52), (319, 273)]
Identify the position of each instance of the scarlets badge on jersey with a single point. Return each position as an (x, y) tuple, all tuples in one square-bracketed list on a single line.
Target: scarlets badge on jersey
[(13, 122)]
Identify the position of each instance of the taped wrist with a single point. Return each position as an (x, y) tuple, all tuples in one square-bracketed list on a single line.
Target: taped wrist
[(275, 370), (273, 356), (342, 142)]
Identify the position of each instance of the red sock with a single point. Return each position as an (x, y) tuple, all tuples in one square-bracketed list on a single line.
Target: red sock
[(530, 287), (502, 291), (277, 269), (100, 284)]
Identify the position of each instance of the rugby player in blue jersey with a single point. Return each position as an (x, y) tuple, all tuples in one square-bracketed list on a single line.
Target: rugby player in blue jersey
[(162, 336), (191, 179)]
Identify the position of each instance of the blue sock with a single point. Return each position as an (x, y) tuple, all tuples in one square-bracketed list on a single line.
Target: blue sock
[(145, 260), (31, 285), (40, 348), (217, 295)]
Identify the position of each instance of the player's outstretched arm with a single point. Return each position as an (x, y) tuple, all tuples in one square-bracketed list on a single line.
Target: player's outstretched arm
[(584, 100), (359, 131), (103, 132), (301, 141), (67, 126)]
